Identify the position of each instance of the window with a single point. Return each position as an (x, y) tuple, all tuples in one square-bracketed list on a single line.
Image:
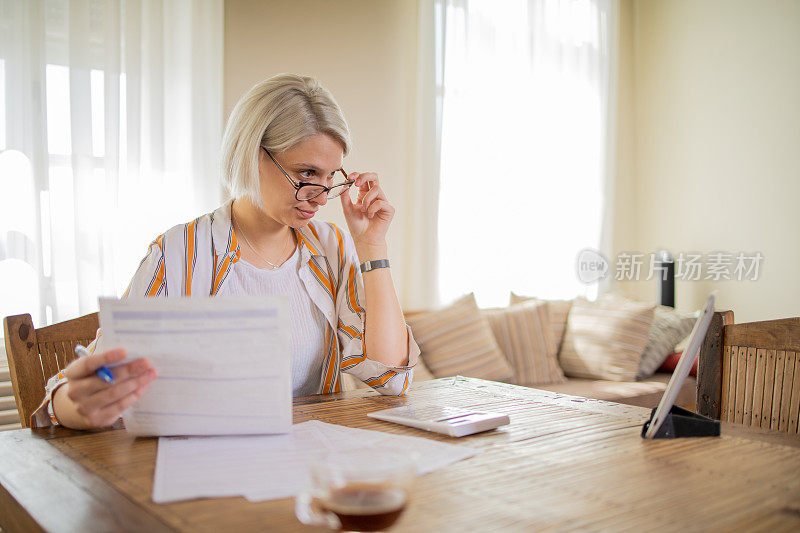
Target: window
[(87, 141), (522, 146)]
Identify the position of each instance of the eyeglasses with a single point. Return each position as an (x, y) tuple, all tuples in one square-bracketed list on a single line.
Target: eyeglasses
[(307, 191)]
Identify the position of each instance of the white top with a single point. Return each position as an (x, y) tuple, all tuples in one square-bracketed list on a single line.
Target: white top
[(307, 332), (196, 259)]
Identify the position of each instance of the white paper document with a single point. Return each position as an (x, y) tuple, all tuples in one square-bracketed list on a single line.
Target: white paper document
[(223, 364), (268, 467)]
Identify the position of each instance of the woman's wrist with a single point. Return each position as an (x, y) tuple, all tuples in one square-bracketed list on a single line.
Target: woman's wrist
[(64, 409), (57, 400), (56, 393), (371, 252)]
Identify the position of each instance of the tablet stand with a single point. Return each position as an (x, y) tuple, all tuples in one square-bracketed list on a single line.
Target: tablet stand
[(683, 423)]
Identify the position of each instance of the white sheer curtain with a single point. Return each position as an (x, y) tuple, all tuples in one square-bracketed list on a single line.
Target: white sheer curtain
[(110, 123), (525, 133)]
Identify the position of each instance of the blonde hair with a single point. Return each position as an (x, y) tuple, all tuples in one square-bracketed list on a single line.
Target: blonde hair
[(276, 113)]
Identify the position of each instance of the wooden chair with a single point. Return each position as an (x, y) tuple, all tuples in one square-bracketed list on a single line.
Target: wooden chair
[(34, 355), (750, 373)]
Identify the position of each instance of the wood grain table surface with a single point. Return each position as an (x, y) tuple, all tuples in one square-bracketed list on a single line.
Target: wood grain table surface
[(564, 463)]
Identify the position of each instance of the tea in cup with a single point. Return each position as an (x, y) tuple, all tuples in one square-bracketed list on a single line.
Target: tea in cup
[(358, 491)]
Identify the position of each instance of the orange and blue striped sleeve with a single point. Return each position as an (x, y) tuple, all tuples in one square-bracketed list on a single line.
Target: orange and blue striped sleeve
[(350, 312)]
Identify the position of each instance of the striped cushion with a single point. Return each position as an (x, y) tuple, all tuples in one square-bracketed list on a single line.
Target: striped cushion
[(458, 340), (557, 312), (523, 333), (605, 339), (669, 328)]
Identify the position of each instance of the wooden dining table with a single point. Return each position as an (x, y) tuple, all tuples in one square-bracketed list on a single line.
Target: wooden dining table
[(563, 463)]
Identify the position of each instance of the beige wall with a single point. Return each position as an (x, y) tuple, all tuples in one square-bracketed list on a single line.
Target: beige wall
[(709, 154), (364, 52)]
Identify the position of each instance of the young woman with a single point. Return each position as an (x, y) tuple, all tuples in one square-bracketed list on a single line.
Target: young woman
[(281, 161)]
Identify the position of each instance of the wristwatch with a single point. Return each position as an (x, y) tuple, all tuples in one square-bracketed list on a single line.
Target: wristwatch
[(366, 266)]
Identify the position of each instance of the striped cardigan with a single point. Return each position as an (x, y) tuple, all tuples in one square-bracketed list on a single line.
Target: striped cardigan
[(195, 259)]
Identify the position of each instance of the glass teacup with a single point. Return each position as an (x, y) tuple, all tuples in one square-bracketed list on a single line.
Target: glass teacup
[(357, 491)]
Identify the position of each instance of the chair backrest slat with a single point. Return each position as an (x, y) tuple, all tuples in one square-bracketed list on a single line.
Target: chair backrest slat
[(728, 388), (48, 359), (740, 381), (34, 355), (790, 399), (777, 388), (769, 384), (62, 352)]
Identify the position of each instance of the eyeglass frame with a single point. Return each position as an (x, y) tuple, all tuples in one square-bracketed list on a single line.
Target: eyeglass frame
[(300, 184)]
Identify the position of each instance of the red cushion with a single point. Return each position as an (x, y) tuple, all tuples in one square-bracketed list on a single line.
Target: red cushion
[(671, 362)]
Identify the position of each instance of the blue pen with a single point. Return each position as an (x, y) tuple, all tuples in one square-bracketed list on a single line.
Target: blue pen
[(103, 372)]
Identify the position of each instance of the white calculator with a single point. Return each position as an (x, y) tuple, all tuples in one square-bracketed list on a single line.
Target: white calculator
[(452, 421)]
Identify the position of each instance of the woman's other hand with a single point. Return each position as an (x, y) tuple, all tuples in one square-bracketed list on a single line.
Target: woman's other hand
[(369, 217), (86, 402)]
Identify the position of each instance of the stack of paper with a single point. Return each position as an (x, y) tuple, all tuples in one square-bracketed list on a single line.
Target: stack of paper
[(268, 467), (216, 359)]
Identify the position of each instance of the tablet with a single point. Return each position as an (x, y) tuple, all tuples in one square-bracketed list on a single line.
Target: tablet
[(452, 421), (690, 353)]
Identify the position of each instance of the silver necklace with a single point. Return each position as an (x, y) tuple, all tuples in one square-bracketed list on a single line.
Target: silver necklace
[(272, 266)]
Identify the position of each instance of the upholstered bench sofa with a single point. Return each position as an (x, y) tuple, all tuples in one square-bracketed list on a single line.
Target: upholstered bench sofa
[(644, 393), (609, 349)]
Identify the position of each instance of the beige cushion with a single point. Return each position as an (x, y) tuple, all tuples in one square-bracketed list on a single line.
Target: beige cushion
[(523, 333), (605, 339), (421, 372), (557, 312), (458, 340)]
